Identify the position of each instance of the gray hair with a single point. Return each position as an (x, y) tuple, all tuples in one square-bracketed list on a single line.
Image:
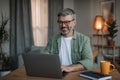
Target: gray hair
[(66, 12)]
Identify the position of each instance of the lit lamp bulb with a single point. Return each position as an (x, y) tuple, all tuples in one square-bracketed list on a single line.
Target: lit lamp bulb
[(98, 23), (98, 26)]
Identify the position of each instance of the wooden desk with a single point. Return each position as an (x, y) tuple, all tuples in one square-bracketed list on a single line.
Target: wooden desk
[(20, 74)]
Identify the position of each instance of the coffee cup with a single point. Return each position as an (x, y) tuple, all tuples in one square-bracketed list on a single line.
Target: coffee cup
[(106, 67)]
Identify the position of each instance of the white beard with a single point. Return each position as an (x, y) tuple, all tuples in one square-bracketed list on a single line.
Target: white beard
[(69, 29)]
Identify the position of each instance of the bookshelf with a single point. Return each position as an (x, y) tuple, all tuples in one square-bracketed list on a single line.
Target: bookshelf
[(102, 45)]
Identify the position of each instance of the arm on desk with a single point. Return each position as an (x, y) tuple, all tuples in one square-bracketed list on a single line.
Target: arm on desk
[(74, 67)]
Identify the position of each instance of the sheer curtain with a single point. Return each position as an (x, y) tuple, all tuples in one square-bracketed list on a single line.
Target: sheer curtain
[(20, 30), (44, 19), (40, 21)]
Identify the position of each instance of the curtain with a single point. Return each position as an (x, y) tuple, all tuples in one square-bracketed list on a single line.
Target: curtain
[(21, 37), (40, 21), (54, 7)]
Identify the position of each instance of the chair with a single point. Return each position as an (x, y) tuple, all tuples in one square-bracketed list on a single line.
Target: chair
[(95, 53), (117, 67)]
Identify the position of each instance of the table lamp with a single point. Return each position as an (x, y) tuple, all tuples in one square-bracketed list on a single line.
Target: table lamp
[(98, 25)]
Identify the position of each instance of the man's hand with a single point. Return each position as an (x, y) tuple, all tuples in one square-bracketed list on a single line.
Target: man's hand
[(66, 68), (74, 67)]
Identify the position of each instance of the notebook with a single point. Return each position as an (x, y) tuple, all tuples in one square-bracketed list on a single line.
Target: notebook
[(95, 75), (42, 65)]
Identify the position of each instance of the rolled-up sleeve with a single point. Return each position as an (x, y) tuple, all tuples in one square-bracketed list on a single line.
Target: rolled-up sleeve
[(86, 55)]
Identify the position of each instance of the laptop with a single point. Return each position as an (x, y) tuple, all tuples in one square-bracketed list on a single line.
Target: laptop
[(42, 65)]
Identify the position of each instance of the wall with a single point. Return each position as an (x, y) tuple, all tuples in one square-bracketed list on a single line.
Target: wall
[(4, 8), (82, 8), (69, 4), (117, 39)]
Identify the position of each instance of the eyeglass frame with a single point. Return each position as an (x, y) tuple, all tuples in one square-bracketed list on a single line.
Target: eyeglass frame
[(65, 22)]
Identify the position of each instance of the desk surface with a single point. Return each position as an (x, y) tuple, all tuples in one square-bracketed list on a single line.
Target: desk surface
[(20, 74)]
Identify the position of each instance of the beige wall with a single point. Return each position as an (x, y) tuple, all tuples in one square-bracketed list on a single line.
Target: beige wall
[(69, 4)]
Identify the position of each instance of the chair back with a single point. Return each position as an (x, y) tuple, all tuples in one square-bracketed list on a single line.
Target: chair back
[(95, 53)]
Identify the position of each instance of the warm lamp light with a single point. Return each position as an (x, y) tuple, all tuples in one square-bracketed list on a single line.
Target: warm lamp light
[(99, 26), (98, 23)]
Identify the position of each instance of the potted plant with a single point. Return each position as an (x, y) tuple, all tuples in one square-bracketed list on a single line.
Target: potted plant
[(112, 32), (4, 59)]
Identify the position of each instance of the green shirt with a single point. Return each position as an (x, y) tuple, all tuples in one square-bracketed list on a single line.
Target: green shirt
[(80, 49)]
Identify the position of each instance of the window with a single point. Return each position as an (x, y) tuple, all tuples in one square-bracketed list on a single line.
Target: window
[(40, 21)]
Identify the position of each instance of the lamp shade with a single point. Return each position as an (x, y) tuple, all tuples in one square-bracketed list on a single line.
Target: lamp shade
[(98, 23)]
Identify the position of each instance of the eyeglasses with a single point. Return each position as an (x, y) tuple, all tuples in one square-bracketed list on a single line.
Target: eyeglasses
[(64, 22)]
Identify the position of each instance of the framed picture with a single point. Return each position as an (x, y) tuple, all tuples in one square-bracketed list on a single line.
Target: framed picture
[(108, 9)]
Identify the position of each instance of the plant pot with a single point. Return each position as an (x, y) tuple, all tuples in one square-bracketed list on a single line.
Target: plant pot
[(4, 73), (111, 43), (5, 62)]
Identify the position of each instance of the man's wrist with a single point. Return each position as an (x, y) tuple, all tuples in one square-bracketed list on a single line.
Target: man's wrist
[(76, 67)]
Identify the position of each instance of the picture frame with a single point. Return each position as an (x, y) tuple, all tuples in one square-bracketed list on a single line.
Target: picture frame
[(108, 9)]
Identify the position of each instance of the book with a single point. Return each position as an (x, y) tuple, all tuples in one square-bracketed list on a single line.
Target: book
[(95, 75)]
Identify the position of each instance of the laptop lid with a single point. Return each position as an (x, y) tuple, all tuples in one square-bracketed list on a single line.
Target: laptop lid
[(43, 65)]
